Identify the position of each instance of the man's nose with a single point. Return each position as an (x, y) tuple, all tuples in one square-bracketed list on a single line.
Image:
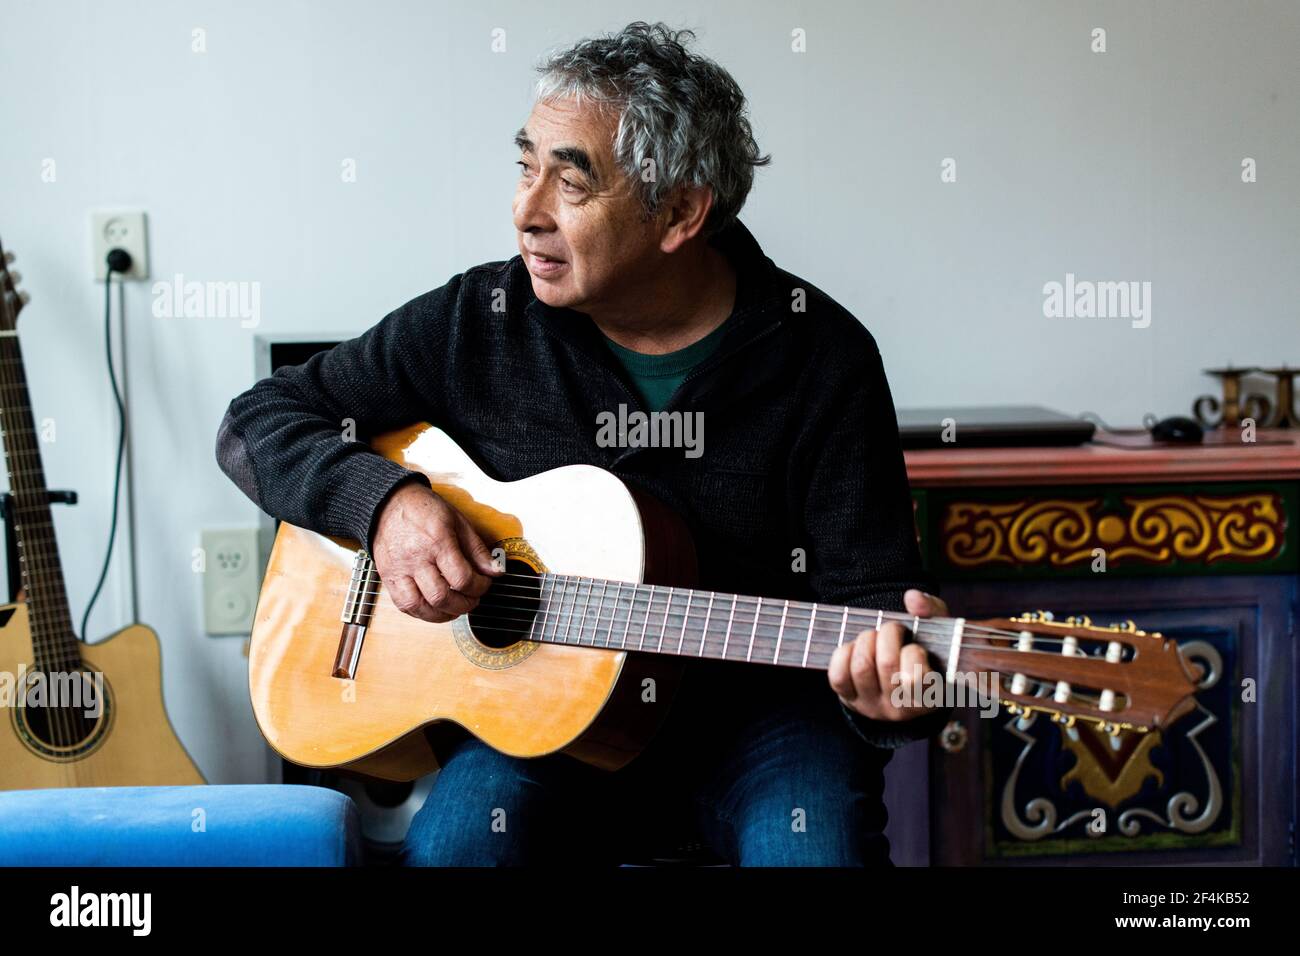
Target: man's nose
[(531, 210)]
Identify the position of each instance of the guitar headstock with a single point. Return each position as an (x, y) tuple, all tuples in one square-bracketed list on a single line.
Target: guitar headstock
[(1117, 676), (11, 299)]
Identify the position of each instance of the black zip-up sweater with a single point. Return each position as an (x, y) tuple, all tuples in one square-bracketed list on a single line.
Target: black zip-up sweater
[(801, 445)]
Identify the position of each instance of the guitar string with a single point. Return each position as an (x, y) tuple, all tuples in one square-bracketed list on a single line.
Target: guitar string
[(803, 616), (940, 641), (938, 644), (900, 616), (933, 633), (637, 590), (1045, 685), (794, 625), (637, 587), (1030, 658)]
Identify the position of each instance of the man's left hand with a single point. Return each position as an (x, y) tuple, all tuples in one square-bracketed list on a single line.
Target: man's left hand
[(862, 673)]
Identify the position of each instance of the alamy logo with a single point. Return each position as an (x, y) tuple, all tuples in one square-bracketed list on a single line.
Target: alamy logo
[(179, 299), (75, 908), (1086, 299), (978, 689), (83, 690), (654, 430)]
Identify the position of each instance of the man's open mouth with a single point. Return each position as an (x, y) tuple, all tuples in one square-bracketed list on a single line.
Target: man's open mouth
[(544, 265)]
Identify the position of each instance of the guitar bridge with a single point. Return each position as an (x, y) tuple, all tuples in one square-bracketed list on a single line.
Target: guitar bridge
[(363, 592)]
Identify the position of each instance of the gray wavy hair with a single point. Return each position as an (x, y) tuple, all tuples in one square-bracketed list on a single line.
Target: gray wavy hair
[(680, 110)]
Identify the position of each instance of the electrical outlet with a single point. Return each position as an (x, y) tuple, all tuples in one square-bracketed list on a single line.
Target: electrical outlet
[(230, 580), (123, 229)]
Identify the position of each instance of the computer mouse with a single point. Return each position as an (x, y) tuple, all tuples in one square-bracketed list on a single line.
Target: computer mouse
[(1177, 429)]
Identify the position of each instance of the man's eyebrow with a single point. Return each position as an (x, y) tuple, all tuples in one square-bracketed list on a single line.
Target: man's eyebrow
[(576, 156)]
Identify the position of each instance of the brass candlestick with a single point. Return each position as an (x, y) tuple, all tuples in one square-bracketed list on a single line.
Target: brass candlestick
[(1286, 414), (1230, 409)]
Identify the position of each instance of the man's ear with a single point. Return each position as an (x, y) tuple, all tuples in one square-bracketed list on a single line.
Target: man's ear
[(685, 214)]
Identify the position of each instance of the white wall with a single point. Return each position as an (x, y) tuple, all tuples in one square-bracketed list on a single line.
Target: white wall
[(1123, 165)]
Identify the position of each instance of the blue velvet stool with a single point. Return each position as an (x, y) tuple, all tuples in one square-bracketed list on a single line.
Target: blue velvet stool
[(244, 825)]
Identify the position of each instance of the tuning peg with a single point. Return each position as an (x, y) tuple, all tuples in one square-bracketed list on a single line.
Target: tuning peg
[(1036, 616), (1114, 651), (23, 297), (16, 276), (1019, 681), (1069, 648), (9, 257)]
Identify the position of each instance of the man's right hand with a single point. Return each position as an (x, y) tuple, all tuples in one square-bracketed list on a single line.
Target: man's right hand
[(431, 560)]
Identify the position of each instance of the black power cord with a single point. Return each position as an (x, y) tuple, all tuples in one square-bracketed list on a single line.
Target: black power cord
[(118, 260)]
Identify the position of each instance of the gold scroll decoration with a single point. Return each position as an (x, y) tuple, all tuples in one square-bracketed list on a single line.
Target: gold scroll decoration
[(1150, 529)]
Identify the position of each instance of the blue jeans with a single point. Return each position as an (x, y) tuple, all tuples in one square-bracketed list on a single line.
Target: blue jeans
[(793, 787)]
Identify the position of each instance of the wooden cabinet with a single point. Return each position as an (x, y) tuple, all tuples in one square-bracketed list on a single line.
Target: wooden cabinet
[(1197, 543)]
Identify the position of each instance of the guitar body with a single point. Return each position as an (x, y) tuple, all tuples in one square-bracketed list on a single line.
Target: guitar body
[(131, 744), (523, 698)]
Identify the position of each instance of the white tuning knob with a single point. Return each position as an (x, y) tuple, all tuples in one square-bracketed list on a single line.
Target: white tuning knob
[(1114, 650), (1019, 681), (1070, 648)]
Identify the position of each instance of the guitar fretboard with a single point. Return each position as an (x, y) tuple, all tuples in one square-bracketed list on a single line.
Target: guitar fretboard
[(54, 642), (563, 609)]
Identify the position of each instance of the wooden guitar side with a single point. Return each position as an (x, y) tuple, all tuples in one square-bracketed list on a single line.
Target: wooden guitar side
[(527, 699)]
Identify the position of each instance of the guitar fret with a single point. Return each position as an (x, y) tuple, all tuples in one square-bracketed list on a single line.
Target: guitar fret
[(758, 609), (808, 643), (568, 627), (549, 618), (645, 621), (631, 605), (667, 608), (685, 617), (704, 635), (582, 619), (730, 619), (600, 606), (780, 633)]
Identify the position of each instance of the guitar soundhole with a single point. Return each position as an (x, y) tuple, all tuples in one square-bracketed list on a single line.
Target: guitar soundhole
[(506, 613), (63, 715)]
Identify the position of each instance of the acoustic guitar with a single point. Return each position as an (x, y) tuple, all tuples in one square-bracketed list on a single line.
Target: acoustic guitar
[(76, 714), (596, 599)]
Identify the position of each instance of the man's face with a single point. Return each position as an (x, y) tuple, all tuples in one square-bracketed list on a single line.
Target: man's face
[(579, 222)]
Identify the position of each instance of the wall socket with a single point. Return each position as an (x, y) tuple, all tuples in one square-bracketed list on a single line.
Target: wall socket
[(231, 580), (124, 229)]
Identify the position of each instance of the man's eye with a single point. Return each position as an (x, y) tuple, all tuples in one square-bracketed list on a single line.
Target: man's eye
[(571, 186), (523, 167)]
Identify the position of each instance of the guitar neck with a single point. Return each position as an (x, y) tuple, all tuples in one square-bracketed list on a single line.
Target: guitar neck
[(54, 642), (647, 618)]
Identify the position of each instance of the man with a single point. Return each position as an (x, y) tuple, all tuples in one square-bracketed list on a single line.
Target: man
[(635, 286)]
